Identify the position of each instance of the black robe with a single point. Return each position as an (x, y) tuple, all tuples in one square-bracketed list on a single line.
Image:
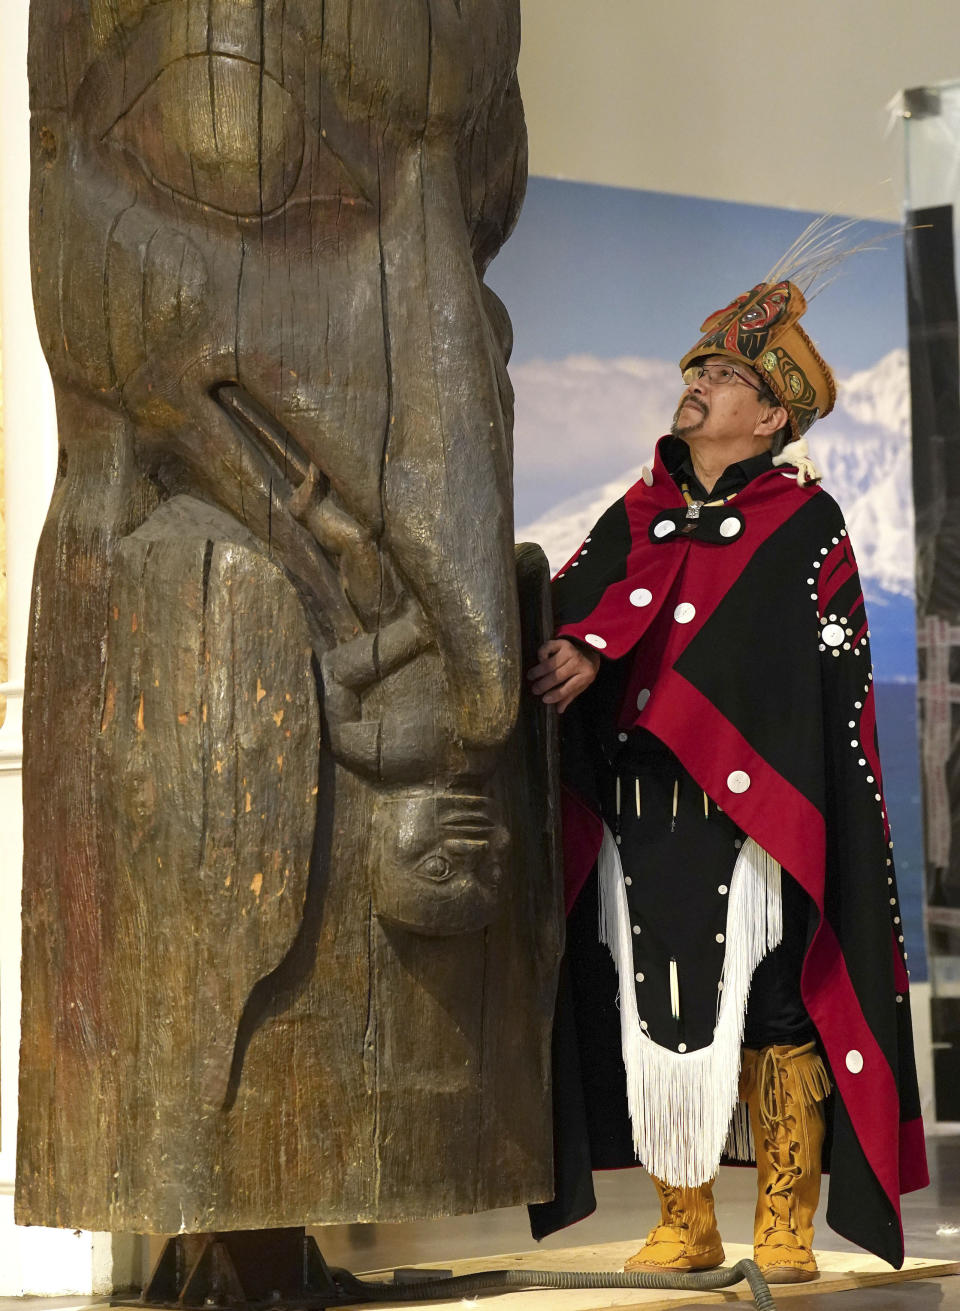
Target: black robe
[(742, 645)]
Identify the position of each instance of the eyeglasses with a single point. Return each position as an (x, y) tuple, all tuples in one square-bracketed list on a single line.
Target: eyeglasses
[(718, 375)]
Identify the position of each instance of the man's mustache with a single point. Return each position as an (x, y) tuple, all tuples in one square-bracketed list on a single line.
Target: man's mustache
[(690, 400)]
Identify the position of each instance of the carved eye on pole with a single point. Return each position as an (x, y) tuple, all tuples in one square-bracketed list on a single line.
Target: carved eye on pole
[(219, 131), (438, 865)]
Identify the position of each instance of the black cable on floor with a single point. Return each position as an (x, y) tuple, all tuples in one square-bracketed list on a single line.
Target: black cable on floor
[(501, 1281)]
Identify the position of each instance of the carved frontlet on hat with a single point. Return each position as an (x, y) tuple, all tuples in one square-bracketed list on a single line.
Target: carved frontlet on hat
[(761, 328)]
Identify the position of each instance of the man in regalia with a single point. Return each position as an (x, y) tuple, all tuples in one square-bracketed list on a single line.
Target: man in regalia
[(735, 984)]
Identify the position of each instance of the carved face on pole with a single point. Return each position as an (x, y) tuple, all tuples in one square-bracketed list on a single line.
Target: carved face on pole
[(265, 250), (276, 617)]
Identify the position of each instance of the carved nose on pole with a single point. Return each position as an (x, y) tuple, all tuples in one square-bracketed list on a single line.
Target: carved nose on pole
[(447, 479)]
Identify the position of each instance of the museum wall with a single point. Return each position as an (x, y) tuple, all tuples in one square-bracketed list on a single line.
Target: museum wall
[(3, 558), (788, 104), (786, 107)]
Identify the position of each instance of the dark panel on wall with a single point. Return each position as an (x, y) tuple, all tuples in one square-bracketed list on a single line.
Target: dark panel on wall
[(935, 400)]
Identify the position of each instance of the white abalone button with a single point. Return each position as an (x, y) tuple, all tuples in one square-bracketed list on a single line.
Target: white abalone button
[(664, 528), (730, 527), (646, 473), (594, 640), (640, 597), (684, 612), (853, 1061), (832, 635), (738, 781), (643, 696), (621, 737)]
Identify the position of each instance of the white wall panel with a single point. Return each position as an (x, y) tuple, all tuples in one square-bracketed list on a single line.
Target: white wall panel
[(770, 104)]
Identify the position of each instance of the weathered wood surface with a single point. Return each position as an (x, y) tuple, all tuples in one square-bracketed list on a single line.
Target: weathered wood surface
[(291, 914)]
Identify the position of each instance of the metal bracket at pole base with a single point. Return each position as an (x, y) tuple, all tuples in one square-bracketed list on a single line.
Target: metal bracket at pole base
[(242, 1269)]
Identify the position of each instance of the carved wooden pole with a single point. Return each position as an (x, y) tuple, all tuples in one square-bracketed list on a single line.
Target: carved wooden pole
[(290, 904)]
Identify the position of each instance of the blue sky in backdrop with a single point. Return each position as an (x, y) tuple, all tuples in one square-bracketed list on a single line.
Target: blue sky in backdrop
[(611, 271)]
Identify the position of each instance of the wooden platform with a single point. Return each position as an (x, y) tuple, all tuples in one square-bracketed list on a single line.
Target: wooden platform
[(839, 1271)]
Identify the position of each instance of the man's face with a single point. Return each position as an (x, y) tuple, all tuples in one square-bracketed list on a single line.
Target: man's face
[(716, 410)]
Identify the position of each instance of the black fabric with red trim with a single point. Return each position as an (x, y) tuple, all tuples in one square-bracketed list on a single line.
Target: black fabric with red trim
[(750, 657)]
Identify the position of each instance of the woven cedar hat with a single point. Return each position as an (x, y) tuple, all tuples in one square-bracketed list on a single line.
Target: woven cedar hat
[(761, 329)]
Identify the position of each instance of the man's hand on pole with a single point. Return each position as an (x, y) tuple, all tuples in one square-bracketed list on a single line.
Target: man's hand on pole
[(565, 670)]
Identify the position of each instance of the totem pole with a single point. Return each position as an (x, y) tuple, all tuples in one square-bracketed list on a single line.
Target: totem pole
[(291, 917)]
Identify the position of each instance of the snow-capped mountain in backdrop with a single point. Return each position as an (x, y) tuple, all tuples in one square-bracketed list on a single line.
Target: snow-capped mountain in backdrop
[(590, 423)]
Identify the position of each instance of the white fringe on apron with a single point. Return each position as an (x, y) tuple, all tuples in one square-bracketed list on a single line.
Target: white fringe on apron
[(681, 1103)]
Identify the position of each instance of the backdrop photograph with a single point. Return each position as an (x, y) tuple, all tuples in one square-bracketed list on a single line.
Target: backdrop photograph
[(607, 288)]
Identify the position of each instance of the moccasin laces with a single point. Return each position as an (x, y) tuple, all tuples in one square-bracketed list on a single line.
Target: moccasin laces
[(778, 1122)]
